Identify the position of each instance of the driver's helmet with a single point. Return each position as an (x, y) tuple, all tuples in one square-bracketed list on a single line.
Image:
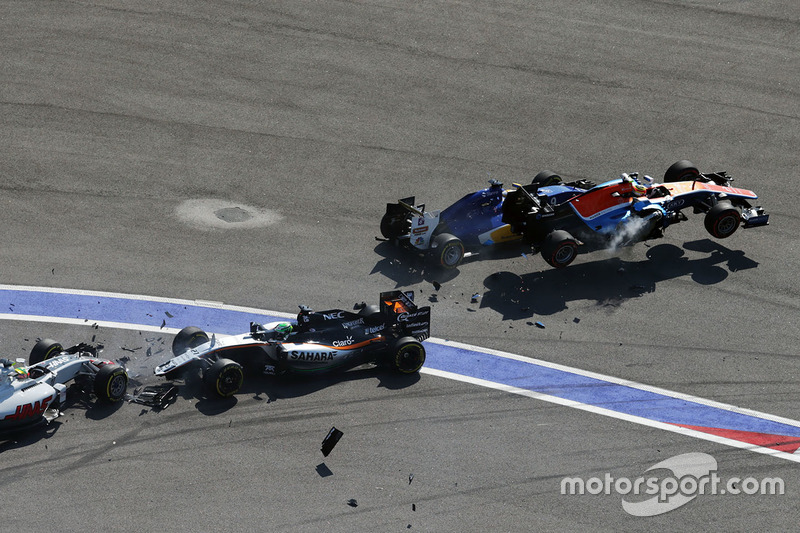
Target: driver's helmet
[(283, 329), (638, 189)]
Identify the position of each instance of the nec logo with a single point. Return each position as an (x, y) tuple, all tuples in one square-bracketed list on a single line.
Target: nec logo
[(333, 316)]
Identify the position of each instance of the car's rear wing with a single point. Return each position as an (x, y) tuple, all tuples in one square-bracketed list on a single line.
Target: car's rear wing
[(520, 203), (405, 206), (402, 312)]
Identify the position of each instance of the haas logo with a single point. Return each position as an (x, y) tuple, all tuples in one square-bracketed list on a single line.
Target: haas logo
[(29, 409)]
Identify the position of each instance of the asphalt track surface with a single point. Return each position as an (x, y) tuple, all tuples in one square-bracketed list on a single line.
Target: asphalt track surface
[(243, 153)]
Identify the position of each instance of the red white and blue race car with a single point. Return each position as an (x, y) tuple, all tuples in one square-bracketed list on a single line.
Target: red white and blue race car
[(389, 334), (473, 223), (32, 395), (627, 210)]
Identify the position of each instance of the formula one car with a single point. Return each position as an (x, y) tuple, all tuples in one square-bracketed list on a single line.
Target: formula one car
[(624, 211), (474, 222), (30, 396), (390, 334)]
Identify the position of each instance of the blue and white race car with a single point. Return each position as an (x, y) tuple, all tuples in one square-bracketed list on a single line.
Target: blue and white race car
[(474, 222), (627, 210)]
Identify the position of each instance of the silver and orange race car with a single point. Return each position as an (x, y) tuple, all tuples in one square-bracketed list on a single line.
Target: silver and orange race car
[(389, 334)]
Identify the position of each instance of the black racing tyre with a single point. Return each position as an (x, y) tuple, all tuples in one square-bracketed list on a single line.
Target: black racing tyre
[(393, 226), (110, 383), (559, 248), (723, 220), (224, 378), (44, 349), (407, 355), (188, 337), (545, 178), (682, 170), (447, 250)]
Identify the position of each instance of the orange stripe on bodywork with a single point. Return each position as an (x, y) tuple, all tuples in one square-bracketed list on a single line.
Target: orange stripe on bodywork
[(686, 187)]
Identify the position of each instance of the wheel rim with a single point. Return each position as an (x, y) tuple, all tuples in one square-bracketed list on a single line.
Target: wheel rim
[(727, 224), (229, 381), (117, 387), (564, 254), (410, 358), (451, 255)]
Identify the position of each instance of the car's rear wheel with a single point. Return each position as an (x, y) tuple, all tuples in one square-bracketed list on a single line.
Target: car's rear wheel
[(559, 248), (110, 383), (723, 220), (224, 378), (44, 349), (682, 170), (187, 338), (545, 178), (448, 250), (407, 356), (393, 226)]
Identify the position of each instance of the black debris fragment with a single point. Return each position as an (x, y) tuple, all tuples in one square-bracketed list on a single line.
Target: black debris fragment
[(539, 325), (410, 478), (163, 323), (149, 352), (169, 315), (475, 297), (437, 285), (414, 507), (330, 441), (323, 470), (158, 396), (576, 320), (132, 350), (352, 502), (124, 359)]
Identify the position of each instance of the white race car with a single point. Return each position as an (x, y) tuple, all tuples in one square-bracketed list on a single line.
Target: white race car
[(31, 396)]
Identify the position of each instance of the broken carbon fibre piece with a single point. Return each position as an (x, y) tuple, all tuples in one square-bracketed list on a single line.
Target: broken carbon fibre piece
[(330, 441), (157, 396)]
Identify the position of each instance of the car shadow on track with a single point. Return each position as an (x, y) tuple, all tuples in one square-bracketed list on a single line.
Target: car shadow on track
[(273, 388), (407, 268), (610, 281), (27, 438)]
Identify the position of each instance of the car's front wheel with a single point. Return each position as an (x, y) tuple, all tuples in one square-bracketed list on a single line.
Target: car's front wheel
[(723, 220), (110, 383), (188, 337), (224, 378), (682, 170), (44, 349)]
